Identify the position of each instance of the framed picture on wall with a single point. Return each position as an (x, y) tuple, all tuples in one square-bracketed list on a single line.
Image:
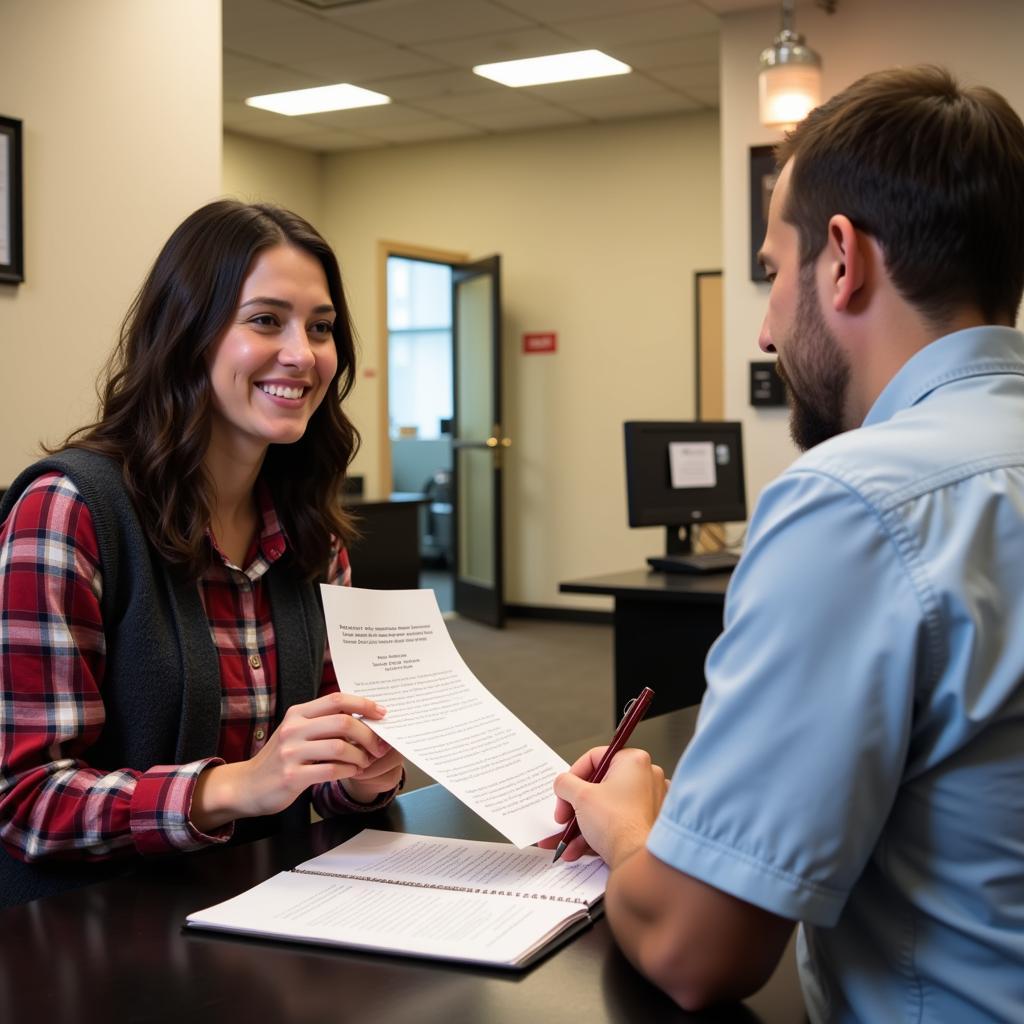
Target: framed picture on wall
[(762, 180), (12, 259)]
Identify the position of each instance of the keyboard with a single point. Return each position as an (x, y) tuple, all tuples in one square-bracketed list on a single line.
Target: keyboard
[(711, 561)]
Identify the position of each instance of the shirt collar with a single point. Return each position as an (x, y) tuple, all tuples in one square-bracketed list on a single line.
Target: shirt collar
[(967, 353), (271, 541)]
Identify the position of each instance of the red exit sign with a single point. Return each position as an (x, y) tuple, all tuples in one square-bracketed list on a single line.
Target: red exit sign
[(540, 342)]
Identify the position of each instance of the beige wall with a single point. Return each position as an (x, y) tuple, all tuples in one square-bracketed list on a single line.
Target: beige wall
[(600, 230), (120, 101), (264, 172), (980, 42)]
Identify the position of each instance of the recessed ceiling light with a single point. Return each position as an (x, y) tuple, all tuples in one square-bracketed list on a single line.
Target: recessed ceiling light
[(558, 67), (318, 100)]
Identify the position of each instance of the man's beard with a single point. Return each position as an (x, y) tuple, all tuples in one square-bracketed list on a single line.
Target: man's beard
[(816, 374)]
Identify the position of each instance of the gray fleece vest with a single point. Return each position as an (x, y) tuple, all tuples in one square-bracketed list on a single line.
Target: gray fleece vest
[(161, 688)]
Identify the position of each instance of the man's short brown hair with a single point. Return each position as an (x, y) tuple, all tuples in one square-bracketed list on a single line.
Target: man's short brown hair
[(934, 172)]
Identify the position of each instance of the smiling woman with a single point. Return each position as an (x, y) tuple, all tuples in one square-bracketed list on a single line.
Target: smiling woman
[(269, 372), (162, 408), (167, 684), (271, 368)]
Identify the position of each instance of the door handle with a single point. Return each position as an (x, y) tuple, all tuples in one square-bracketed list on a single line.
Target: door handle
[(495, 442)]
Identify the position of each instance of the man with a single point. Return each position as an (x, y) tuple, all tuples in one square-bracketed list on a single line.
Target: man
[(859, 759)]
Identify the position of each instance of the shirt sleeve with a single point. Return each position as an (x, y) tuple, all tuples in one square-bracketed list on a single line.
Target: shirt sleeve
[(803, 732), (330, 798), (53, 804)]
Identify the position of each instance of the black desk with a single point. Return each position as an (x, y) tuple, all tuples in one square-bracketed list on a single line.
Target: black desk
[(386, 555), (664, 625), (116, 951)]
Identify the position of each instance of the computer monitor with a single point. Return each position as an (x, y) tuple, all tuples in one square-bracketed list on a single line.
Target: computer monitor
[(683, 473)]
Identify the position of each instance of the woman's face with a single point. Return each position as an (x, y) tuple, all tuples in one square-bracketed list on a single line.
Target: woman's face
[(270, 369)]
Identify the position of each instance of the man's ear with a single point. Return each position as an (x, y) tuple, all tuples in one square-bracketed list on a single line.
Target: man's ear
[(847, 262)]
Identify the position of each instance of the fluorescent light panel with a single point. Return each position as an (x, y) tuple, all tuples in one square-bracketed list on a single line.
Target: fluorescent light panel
[(558, 67), (318, 100)]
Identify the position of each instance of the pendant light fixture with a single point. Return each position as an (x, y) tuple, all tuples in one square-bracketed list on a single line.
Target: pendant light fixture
[(789, 84)]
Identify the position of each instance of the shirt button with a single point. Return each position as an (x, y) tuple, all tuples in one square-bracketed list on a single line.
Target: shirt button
[(259, 734), (254, 661)]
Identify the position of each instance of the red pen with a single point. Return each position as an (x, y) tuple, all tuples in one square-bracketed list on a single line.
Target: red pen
[(631, 715)]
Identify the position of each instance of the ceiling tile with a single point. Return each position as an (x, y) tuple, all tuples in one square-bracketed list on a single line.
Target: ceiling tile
[(668, 53), (232, 124), (238, 63), (516, 120), (680, 19), (368, 119), (688, 77), (372, 62), (425, 132), (732, 6), (240, 17), (419, 52), (470, 103), (438, 83), (708, 96), (487, 49), (566, 93), (424, 21), (549, 11), (237, 114), (259, 79), (303, 39), (634, 106), (272, 126)]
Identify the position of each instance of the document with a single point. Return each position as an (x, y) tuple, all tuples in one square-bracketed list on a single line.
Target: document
[(392, 646), (692, 464), (451, 899)]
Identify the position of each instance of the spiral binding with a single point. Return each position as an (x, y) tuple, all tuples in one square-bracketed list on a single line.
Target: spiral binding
[(444, 888)]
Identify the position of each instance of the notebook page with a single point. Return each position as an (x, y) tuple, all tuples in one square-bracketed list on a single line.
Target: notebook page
[(391, 918), (463, 864)]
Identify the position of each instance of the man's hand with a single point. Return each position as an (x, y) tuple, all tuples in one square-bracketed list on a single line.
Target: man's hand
[(614, 815), (319, 741)]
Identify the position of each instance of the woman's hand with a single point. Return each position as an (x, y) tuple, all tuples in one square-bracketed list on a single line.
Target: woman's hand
[(380, 777), (316, 742)]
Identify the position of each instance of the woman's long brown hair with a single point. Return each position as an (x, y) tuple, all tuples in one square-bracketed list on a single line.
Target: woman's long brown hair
[(155, 395)]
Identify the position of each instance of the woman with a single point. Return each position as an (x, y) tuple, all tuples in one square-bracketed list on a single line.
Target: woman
[(165, 683)]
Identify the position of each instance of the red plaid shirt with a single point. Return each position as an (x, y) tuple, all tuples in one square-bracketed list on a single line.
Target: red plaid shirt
[(52, 654)]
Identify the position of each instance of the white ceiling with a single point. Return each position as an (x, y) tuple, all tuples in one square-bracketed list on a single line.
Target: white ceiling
[(421, 52)]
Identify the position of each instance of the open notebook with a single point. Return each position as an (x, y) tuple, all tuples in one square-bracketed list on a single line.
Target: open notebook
[(452, 899)]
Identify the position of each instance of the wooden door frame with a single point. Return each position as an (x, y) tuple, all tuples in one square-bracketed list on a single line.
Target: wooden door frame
[(413, 252), (709, 351)]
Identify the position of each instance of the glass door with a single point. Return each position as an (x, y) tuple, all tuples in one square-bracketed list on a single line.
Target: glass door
[(479, 443)]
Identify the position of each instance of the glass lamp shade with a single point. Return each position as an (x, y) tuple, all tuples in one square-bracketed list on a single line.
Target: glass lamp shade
[(786, 95), (789, 84)]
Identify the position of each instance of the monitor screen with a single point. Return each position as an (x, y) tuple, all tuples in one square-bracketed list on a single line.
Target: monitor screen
[(682, 473)]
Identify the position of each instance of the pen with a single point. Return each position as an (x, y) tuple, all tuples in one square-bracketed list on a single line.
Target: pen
[(631, 715)]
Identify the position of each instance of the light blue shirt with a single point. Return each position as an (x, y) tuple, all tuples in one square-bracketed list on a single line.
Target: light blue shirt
[(859, 758)]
